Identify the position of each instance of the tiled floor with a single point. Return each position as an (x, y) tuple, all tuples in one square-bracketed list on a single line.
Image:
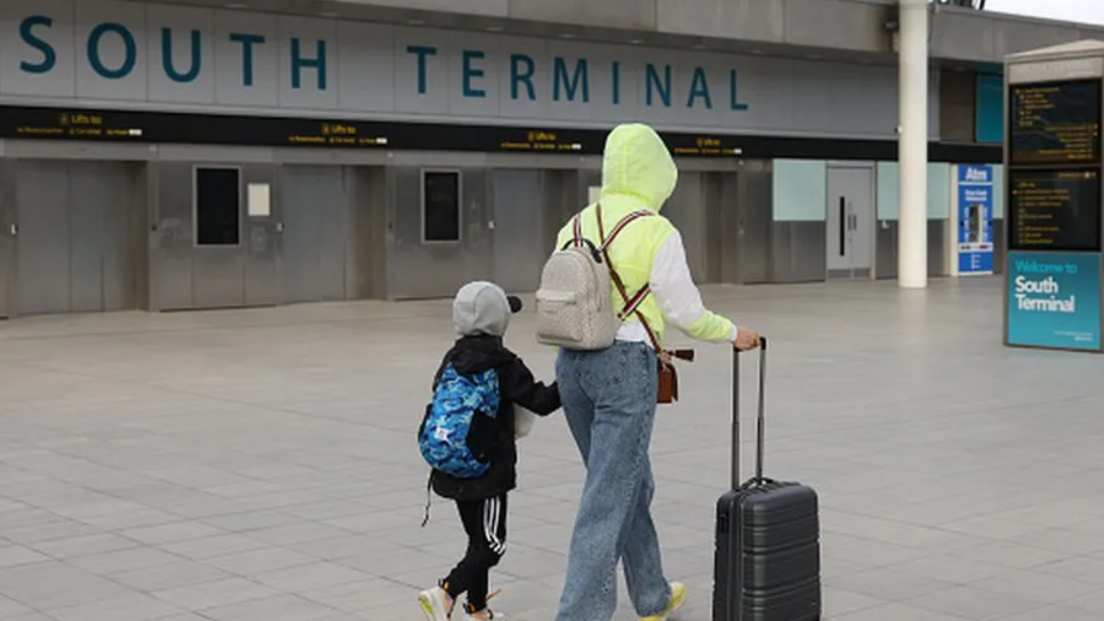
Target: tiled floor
[(260, 465)]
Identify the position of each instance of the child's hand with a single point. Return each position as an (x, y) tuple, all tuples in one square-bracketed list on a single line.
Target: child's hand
[(523, 421)]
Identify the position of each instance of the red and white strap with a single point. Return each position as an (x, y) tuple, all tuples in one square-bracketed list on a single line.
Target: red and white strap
[(627, 220), (577, 230), (633, 303)]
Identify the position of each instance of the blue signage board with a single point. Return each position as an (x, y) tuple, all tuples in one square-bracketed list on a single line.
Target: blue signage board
[(975, 219), (1054, 300)]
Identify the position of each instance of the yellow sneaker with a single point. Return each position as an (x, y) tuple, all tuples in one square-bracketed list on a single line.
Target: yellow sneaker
[(678, 599)]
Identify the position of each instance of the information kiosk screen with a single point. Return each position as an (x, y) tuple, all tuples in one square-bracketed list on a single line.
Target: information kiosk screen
[(1055, 123), (1054, 210)]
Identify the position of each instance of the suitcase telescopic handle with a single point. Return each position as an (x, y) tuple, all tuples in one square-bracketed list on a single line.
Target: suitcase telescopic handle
[(760, 431)]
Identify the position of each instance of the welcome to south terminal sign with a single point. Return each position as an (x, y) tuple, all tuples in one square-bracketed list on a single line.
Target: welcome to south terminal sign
[(80, 51)]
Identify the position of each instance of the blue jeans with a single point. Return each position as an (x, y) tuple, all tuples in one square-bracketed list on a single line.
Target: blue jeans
[(609, 398)]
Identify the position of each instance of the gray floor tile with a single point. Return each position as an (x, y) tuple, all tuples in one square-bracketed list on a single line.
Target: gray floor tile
[(1037, 586), (889, 584), (896, 612), (129, 608), (170, 533), (360, 595), (28, 616), (297, 533), (53, 531), (12, 556), (11, 608), (121, 561), (954, 570), (1056, 613), (309, 577), (170, 575), (975, 604), (276, 608), (211, 547), (84, 546), (215, 594), (838, 602), (252, 520), (47, 586), (260, 561)]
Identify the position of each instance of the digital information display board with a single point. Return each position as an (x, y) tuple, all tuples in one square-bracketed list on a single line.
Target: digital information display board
[(1054, 209), (262, 131), (214, 129), (1055, 123)]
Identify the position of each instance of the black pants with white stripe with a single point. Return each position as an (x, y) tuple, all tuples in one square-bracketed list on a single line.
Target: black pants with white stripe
[(485, 523)]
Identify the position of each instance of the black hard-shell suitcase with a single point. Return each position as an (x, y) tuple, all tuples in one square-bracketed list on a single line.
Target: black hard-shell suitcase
[(766, 563)]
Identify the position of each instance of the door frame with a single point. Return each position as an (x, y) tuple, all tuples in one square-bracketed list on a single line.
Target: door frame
[(872, 232)]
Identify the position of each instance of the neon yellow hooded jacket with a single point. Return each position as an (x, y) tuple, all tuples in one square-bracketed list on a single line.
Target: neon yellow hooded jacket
[(639, 173)]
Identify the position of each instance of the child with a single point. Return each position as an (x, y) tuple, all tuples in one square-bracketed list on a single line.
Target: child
[(468, 438)]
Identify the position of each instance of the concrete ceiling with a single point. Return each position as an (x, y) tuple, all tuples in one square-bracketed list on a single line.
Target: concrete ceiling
[(960, 37), (490, 24)]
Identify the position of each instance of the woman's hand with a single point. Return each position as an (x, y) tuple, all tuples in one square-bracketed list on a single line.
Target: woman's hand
[(746, 339)]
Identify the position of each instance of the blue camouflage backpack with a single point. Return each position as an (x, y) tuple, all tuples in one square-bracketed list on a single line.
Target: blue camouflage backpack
[(443, 438)]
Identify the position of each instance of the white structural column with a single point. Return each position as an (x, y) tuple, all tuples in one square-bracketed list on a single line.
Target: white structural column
[(912, 245)]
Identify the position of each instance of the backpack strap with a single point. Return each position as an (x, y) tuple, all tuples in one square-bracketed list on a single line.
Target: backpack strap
[(632, 304), (616, 230)]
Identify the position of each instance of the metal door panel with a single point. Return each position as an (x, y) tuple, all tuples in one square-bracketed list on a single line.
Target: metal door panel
[(299, 259), (259, 246), (749, 195), (90, 191), (218, 272), (42, 260), (850, 230), (299, 262), (838, 228), (685, 209), (712, 235), (172, 238), (518, 229), (122, 236), (7, 241), (217, 278), (862, 226), (332, 200)]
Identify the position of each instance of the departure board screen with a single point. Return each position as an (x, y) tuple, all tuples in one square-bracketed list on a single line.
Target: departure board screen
[(1054, 210), (1055, 123)]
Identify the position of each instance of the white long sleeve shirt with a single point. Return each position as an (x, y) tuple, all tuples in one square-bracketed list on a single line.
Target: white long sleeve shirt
[(675, 292)]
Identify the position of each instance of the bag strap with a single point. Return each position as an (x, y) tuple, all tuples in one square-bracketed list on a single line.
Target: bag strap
[(632, 305), (577, 227)]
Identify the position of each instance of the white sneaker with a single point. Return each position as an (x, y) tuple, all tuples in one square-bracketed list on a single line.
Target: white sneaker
[(495, 616), (435, 604)]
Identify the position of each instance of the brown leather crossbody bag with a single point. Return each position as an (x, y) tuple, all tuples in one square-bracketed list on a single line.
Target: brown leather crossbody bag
[(668, 391)]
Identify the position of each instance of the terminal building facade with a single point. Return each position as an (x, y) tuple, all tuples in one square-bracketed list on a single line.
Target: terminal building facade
[(196, 155)]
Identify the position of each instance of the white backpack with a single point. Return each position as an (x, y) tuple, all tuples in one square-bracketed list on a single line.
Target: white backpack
[(574, 307)]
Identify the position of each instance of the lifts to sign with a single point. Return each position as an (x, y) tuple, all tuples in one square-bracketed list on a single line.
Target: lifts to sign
[(113, 52)]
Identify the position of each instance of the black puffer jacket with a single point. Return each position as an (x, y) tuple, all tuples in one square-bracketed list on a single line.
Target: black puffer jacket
[(475, 354)]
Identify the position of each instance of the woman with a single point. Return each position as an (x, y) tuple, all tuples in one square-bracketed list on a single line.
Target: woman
[(609, 396)]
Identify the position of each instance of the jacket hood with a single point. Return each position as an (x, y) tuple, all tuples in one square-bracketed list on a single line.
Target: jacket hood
[(637, 164), (475, 354), (483, 308)]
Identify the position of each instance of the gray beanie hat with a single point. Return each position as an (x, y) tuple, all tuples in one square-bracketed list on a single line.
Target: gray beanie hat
[(482, 307)]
